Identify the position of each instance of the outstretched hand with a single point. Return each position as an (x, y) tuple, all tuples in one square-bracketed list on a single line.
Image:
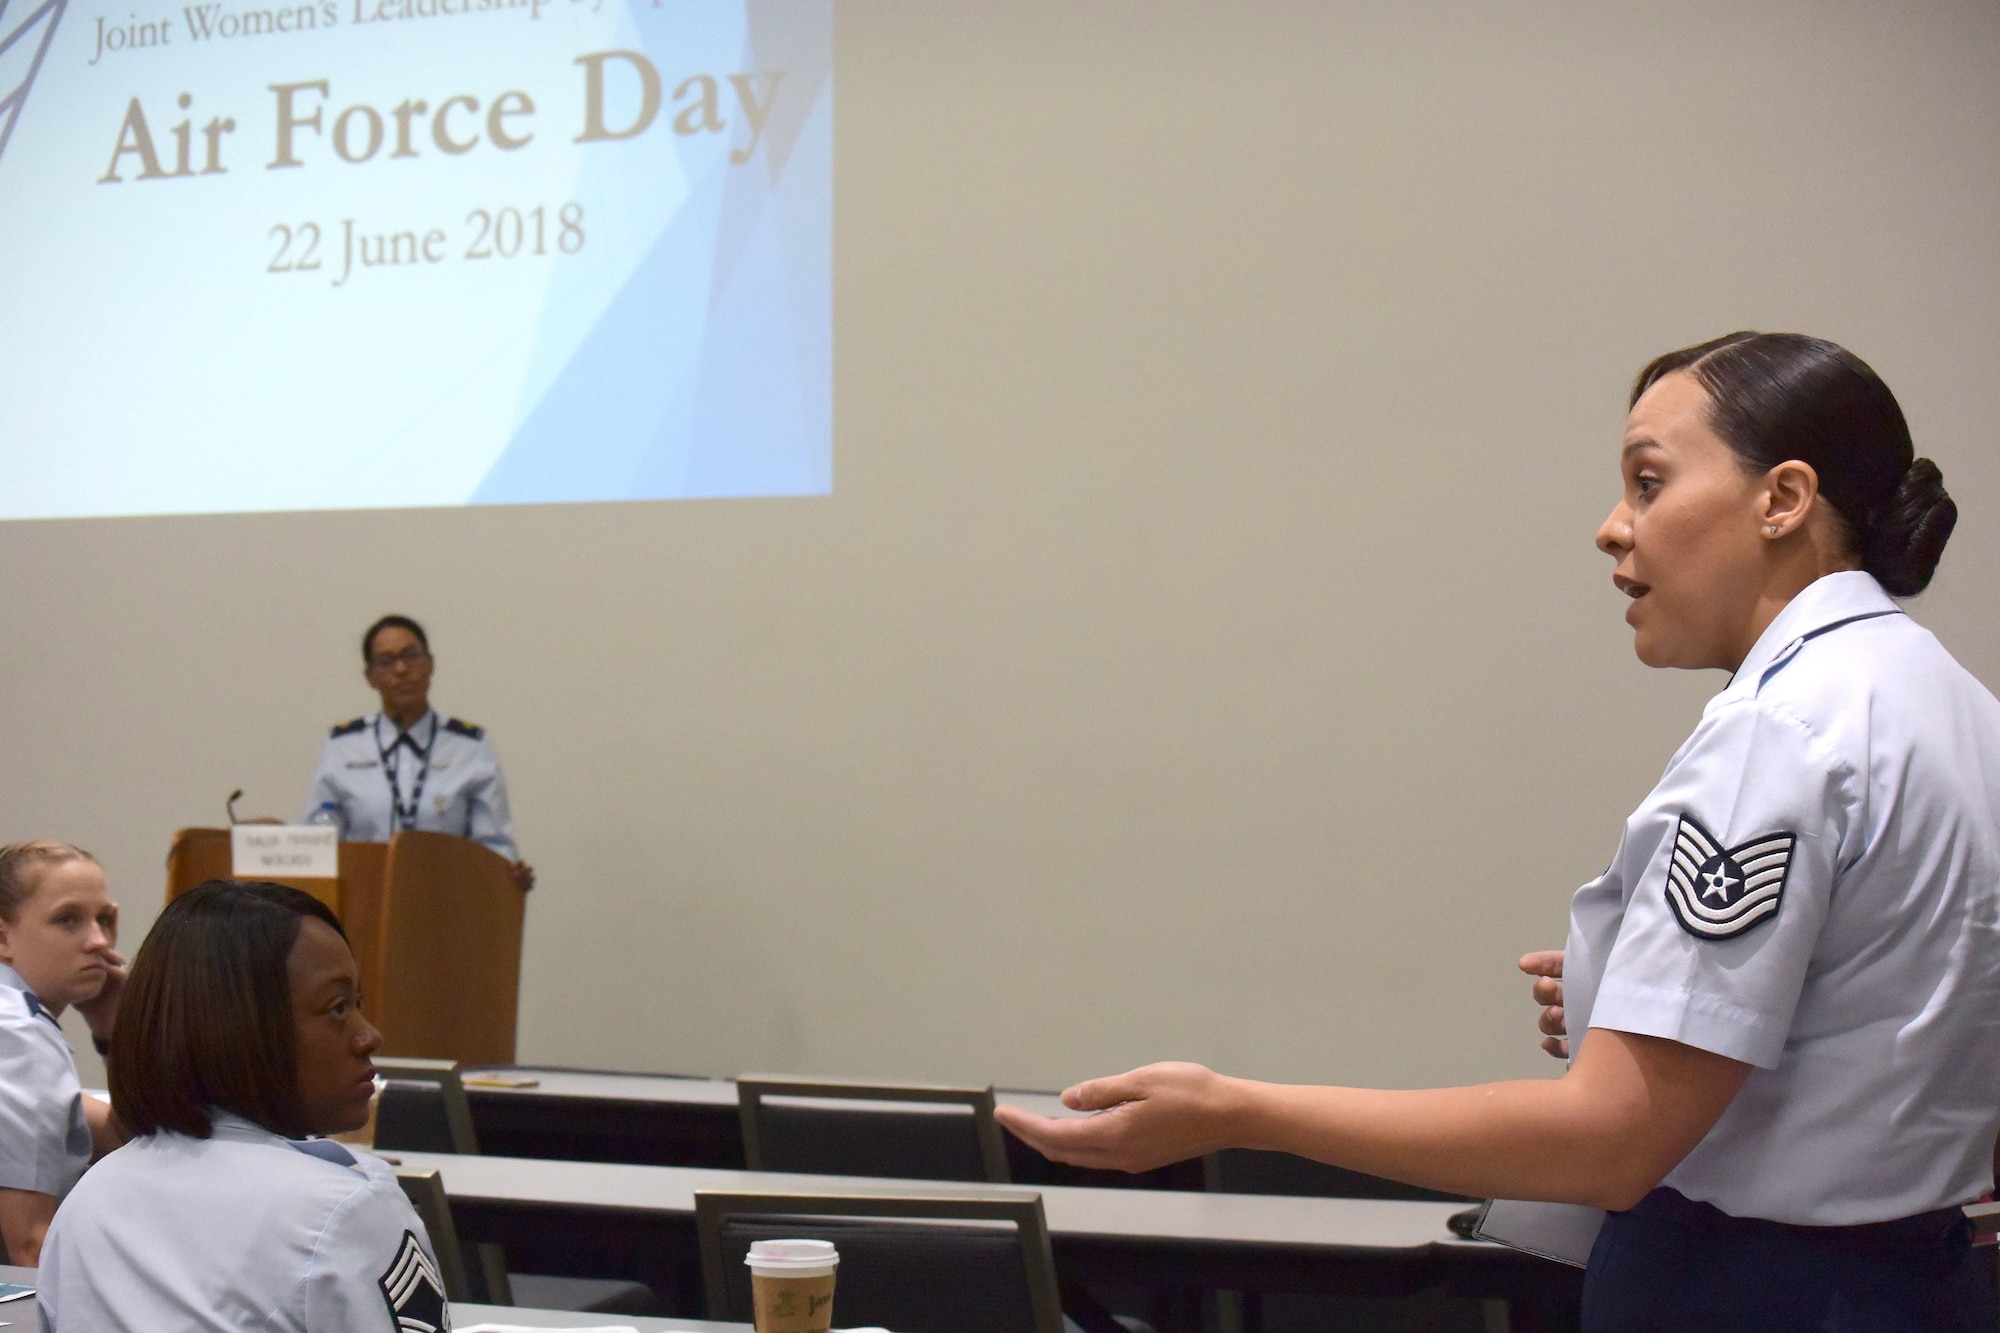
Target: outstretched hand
[(1145, 1119), (1547, 966)]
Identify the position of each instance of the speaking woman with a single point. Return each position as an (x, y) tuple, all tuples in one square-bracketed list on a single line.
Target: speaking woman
[(58, 932), (406, 767), (1785, 992), (242, 1034)]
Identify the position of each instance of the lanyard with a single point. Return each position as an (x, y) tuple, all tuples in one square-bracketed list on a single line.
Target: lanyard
[(404, 816)]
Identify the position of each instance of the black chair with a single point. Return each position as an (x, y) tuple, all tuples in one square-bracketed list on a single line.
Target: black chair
[(1255, 1171), (425, 1191), (901, 1131), (422, 1108), (929, 1263)]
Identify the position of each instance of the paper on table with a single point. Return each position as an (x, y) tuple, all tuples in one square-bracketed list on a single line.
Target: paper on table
[(544, 1328), (595, 1328), (1564, 1232)]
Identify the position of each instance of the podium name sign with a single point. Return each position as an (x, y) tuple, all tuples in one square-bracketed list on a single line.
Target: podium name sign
[(284, 851)]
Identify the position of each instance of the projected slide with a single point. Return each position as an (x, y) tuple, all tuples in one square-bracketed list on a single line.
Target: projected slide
[(340, 254)]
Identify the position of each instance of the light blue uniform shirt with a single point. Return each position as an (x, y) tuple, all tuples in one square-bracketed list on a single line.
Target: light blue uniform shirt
[(441, 776), (242, 1230), (44, 1139), (1813, 888)]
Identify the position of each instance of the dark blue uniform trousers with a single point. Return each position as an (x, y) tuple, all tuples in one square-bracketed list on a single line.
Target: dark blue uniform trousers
[(1674, 1264)]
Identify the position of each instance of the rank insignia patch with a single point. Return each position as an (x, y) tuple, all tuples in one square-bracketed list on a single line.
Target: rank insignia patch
[(414, 1290), (1717, 893)]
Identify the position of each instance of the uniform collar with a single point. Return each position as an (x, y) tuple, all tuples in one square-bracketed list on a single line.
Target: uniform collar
[(1829, 600), (11, 980), (228, 1125), (423, 731)]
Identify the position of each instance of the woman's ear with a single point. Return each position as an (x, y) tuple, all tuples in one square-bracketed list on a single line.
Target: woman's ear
[(1791, 496)]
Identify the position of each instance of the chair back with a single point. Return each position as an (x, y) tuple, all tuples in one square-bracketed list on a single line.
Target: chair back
[(900, 1131), (1256, 1171), (423, 1107), (917, 1263), (425, 1191)]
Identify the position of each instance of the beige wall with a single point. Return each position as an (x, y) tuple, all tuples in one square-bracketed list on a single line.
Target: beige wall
[(1202, 653)]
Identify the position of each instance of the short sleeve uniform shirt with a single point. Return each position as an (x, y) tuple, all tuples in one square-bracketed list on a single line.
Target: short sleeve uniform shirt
[(442, 776), (1813, 888), (241, 1230), (44, 1139)]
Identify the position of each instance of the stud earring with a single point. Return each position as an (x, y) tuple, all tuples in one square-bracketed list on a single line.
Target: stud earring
[(1773, 529)]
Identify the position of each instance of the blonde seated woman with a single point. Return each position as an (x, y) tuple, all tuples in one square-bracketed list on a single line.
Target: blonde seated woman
[(58, 938)]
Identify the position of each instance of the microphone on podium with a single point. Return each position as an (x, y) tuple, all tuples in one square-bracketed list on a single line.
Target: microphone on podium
[(230, 805)]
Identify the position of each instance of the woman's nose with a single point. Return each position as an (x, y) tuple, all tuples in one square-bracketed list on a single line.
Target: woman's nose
[(1614, 535)]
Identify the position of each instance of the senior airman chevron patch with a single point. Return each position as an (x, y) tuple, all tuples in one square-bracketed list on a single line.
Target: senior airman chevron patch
[(1718, 893)]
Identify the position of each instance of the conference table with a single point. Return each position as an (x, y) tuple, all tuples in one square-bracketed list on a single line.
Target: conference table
[(465, 1315), (25, 1314), (637, 1221), (675, 1120), (651, 1119)]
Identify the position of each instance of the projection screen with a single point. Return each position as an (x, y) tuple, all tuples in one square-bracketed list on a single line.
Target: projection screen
[(351, 254)]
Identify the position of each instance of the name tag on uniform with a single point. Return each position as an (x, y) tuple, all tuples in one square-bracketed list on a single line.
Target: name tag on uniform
[(284, 851)]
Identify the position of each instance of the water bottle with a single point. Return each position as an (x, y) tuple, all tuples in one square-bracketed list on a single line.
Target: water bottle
[(328, 815)]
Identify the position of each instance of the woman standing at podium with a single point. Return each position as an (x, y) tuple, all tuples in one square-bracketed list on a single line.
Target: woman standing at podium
[(407, 767), (58, 938)]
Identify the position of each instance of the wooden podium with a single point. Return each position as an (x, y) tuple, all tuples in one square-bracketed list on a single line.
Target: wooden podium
[(435, 924)]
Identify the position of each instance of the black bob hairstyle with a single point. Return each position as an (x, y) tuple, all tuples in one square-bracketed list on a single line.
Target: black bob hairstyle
[(391, 622), (1774, 397), (206, 1018)]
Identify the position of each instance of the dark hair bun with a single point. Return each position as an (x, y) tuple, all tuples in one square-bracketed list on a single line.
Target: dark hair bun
[(1902, 550), (1779, 396)]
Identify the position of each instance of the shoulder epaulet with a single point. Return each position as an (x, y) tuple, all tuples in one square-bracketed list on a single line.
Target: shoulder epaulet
[(1791, 650), (465, 729), (349, 728)]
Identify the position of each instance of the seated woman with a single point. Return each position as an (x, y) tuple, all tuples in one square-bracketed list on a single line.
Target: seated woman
[(242, 1035), (58, 929)]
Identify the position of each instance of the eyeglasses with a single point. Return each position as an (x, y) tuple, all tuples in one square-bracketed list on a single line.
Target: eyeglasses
[(412, 657)]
